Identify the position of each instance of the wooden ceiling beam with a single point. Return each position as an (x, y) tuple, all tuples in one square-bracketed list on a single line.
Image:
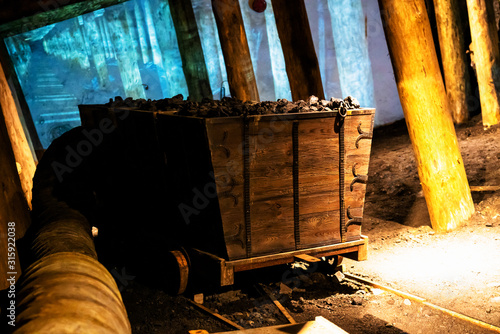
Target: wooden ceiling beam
[(234, 44), (301, 62), (24, 15)]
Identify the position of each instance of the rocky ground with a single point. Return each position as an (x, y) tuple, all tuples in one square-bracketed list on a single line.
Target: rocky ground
[(458, 270)]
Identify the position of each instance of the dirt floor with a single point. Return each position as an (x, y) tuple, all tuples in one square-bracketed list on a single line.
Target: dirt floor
[(459, 270)]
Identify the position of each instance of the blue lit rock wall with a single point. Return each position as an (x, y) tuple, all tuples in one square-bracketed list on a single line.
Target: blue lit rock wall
[(131, 50)]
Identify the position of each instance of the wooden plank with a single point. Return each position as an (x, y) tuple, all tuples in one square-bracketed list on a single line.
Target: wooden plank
[(233, 40), (318, 170), (271, 188), (227, 160), (193, 61), (16, 18), (425, 105), (301, 62)]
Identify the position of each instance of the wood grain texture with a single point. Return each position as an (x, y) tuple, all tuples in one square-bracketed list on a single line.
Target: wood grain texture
[(301, 62), (227, 158), (193, 61), (451, 31), (430, 125), (319, 203), (357, 157), (22, 147), (233, 40), (271, 188), (487, 57)]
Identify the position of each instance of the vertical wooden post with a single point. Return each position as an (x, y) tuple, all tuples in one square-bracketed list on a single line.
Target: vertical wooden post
[(193, 61), (233, 40), (17, 93), (423, 97), (23, 152), (453, 53), (487, 57), (13, 206), (298, 48)]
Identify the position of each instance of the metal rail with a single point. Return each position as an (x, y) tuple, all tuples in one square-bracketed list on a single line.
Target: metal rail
[(424, 302)]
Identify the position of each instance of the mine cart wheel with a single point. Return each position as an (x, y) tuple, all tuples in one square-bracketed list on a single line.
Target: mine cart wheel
[(178, 260), (330, 263)]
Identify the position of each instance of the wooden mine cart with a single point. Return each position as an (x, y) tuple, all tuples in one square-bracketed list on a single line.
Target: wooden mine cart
[(257, 191)]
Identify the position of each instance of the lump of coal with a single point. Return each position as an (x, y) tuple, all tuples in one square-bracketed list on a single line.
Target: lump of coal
[(228, 107), (351, 102)]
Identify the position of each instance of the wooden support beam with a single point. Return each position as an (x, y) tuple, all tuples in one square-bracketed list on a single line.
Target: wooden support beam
[(215, 315), (23, 151), (484, 188), (14, 211), (20, 100), (451, 31), (21, 16), (193, 61), (260, 287), (425, 106), (486, 55), (298, 48), (233, 40)]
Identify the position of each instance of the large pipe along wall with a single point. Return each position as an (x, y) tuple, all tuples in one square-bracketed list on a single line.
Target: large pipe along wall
[(65, 289)]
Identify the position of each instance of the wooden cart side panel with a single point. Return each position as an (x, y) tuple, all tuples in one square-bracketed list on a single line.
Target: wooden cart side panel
[(318, 172), (225, 142), (271, 187), (191, 185), (92, 114), (140, 135), (358, 133)]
